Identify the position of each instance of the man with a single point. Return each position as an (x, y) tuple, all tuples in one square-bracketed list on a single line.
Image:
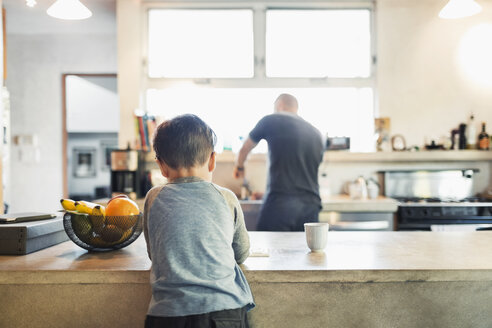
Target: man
[(295, 150)]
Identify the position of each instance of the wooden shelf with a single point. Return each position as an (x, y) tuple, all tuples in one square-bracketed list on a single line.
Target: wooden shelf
[(420, 156), (388, 157)]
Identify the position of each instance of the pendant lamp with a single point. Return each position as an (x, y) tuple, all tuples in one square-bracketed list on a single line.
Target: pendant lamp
[(31, 3), (459, 9), (69, 9)]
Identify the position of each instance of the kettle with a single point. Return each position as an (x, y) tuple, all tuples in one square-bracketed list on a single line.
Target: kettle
[(358, 188), (372, 188)]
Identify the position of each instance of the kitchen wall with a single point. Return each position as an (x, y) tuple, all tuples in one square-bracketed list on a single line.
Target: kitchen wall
[(422, 83), (39, 52)]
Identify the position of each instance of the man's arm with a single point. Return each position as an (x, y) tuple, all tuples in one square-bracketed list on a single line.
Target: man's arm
[(248, 145)]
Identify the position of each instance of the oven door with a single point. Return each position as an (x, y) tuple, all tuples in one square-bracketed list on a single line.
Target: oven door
[(444, 217), (460, 227)]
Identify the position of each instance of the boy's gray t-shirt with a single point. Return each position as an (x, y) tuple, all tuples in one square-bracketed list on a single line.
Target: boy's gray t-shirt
[(196, 236)]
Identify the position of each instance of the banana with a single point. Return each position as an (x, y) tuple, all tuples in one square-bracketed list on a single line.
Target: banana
[(99, 210), (68, 204), (85, 207)]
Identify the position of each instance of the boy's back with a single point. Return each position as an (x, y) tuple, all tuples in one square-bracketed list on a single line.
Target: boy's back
[(191, 225), (195, 235)]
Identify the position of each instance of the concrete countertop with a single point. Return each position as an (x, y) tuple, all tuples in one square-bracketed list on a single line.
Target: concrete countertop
[(349, 257)]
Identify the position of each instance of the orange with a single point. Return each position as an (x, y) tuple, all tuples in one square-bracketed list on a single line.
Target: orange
[(123, 222), (121, 206)]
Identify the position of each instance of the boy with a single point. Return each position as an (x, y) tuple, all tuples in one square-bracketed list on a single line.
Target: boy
[(195, 234)]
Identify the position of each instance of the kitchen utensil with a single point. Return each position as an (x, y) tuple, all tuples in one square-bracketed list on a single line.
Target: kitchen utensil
[(434, 146), (372, 188), (358, 188)]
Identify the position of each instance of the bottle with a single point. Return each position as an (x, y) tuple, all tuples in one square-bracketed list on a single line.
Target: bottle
[(462, 136), (471, 134), (483, 139)]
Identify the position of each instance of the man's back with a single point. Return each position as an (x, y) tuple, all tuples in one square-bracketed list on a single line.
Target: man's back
[(295, 150)]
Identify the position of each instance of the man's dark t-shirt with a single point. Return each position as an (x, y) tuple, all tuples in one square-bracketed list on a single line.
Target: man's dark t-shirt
[(295, 151)]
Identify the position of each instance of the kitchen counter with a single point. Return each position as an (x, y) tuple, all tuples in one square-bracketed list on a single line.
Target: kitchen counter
[(382, 206), (342, 212), (363, 279), (343, 203)]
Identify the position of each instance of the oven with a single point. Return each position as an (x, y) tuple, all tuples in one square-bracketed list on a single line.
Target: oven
[(443, 215), (437, 200)]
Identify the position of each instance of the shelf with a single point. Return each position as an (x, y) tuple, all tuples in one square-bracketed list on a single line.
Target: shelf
[(349, 157), (421, 156)]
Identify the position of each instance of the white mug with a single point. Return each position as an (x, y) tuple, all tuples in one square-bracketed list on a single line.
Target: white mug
[(316, 235)]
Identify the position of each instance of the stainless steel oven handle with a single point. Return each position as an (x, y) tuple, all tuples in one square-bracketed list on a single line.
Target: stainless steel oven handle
[(365, 225)]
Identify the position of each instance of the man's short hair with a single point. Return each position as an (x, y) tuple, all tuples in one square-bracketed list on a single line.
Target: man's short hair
[(184, 141)]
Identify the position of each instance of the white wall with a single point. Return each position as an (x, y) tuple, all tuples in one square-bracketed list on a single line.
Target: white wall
[(421, 83), (35, 67)]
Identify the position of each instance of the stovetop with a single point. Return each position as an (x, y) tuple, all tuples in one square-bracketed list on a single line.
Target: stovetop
[(436, 202)]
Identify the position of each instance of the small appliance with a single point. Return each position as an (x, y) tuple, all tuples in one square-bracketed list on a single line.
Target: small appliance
[(338, 143), (125, 173)]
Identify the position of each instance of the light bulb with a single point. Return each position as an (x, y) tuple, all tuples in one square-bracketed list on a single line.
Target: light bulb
[(31, 3)]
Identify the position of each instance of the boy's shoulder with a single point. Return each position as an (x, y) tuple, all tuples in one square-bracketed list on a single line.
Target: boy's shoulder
[(154, 191), (227, 194)]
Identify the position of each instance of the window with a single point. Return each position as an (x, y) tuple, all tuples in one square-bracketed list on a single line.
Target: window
[(318, 43), (201, 43), (229, 65), (233, 112)]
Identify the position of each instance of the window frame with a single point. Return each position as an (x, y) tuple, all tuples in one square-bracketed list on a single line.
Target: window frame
[(259, 79)]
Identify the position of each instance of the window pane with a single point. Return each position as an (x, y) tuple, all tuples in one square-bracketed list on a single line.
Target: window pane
[(200, 43), (318, 43), (232, 113)]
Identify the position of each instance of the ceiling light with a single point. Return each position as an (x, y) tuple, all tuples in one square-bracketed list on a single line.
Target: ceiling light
[(31, 3), (69, 9), (459, 9)]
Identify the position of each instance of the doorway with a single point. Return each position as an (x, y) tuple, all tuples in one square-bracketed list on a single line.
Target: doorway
[(91, 122)]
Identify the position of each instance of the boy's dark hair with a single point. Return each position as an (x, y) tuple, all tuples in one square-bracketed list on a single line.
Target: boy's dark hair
[(184, 141)]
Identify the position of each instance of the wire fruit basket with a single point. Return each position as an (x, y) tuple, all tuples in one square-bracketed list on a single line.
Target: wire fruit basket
[(102, 233)]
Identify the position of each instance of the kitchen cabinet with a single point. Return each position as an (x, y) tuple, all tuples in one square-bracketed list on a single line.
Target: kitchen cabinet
[(346, 214)]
